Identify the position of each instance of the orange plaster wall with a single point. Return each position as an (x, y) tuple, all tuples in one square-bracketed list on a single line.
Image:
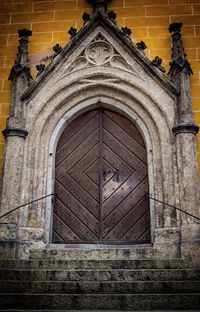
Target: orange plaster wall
[(51, 20)]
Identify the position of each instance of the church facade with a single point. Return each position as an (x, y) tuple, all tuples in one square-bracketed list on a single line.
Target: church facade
[(106, 141)]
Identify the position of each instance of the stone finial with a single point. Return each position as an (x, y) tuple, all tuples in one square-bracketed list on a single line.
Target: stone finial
[(86, 17), (21, 62), (57, 48), (179, 61), (141, 46), (112, 16), (157, 63), (72, 32), (40, 68), (99, 5), (126, 31)]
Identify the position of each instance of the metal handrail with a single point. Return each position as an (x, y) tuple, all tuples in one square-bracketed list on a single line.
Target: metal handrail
[(33, 201), (53, 194), (191, 215)]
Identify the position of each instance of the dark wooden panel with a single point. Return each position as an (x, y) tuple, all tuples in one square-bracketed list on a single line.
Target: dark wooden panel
[(77, 172), (74, 127), (76, 210), (124, 209), (83, 148), (124, 137), (78, 230), (115, 177), (72, 204), (101, 180), (126, 125), (139, 229), (127, 223), (125, 206)]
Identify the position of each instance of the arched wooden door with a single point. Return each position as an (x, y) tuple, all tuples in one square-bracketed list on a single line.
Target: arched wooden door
[(101, 181)]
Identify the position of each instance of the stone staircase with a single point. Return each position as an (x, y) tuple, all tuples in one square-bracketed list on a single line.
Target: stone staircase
[(98, 279)]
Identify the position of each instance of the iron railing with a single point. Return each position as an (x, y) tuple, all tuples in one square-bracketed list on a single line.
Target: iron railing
[(33, 201), (159, 201), (53, 194)]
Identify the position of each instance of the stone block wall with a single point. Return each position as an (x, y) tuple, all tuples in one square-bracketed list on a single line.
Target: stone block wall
[(51, 20)]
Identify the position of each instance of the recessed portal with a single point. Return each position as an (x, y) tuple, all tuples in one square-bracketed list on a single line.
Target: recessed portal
[(101, 180)]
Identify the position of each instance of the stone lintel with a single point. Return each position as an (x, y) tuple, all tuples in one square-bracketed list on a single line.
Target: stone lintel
[(185, 128), (15, 132)]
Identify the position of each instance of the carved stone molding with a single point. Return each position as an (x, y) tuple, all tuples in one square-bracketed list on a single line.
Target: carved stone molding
[(15, 132), (21, 62), (101, 53), (185, 128)]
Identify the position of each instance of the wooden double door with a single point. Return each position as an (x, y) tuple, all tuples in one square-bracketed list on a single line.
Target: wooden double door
[(101, 181)]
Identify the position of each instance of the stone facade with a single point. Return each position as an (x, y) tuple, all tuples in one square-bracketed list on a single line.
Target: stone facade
[(101, 67)]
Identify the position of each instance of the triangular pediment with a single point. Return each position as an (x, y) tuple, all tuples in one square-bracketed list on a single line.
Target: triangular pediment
[(99, 52), (100, 43)]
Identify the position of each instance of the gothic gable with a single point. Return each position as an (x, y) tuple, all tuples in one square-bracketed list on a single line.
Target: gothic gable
[(100, 43)]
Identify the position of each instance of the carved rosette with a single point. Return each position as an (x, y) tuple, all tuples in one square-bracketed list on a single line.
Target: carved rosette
[(99, 53)]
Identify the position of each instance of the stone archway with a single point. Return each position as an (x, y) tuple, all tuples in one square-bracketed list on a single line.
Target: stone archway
[(121, 79)]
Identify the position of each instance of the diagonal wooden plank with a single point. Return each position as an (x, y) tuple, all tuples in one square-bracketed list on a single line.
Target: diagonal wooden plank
[(127, 223), (77, 172), (126, 125), (79, 152), (115, 215), (122, 172), (131, 159), (77, 140), (79, 193), (123, 191), (62, 230), (93, 171), (123, 137), (56, 238), (146, 236), (139, 228), (81, 212), (73, 224), (75, 126)]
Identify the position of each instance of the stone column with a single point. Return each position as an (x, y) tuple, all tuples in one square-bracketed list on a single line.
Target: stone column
[(185, 131), (15, 134)]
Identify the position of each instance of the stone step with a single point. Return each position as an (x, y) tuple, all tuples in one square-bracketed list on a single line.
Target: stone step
[(111, 302), (22, 310), (94, 264), (97, 253), (84, 287), (102, 275)]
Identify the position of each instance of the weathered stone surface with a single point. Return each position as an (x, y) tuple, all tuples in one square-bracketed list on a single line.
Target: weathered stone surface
[(117, 76), (109, 302), (8, 249), (92, 287), (94, 264), (95, 253), (101, 275), (110, 284)]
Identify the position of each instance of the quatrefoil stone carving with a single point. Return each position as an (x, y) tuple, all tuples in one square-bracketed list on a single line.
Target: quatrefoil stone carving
[(99, 53)]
